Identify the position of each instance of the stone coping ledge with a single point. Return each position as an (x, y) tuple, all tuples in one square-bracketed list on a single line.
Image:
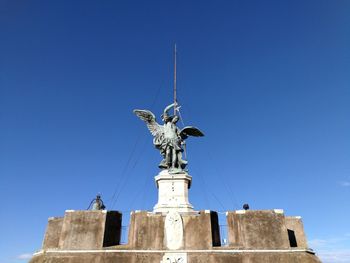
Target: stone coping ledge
[(53, 251), (190, 213)]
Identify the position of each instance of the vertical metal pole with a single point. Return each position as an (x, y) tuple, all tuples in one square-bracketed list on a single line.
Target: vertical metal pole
[(175, 80)]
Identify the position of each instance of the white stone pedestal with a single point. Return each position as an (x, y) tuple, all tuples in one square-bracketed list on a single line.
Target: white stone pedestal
[(173, 192)]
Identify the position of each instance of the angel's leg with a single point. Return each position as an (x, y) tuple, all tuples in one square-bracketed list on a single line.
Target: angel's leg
[(174, 157), (168, 157)]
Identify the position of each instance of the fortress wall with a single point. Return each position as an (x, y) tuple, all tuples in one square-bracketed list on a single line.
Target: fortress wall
[(257, 229), (295, 227), (146, 231), (94, 237), (53, 232), (260, 229), (90, 229), (201, 230), (192, 257)]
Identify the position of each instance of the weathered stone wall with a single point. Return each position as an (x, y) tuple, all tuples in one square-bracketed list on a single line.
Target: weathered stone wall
[(146, 231), (84, 230), (254, 237), (119, 257), (272, 257), (192, 257), (53, 232), (259, 229), (201, 230), (295, 224)]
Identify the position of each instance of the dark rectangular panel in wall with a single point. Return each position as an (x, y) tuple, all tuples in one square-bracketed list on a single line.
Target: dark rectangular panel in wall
[(113, 227)]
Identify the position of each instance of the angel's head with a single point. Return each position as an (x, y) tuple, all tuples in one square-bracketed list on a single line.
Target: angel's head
[(165, 118)]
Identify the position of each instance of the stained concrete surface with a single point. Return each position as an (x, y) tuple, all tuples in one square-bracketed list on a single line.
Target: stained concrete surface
[(295, 224), (211, 257), (201, 230), (257, 229), (90, 229), (94, 237), (53, 232)]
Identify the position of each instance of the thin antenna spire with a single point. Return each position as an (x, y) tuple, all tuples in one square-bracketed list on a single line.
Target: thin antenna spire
[(175, 99)]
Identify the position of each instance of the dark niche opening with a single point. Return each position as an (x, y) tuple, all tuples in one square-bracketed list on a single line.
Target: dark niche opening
[(292, 239)]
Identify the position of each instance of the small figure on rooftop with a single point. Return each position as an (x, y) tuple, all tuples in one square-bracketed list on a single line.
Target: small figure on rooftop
[(97, 203), (246, 207)]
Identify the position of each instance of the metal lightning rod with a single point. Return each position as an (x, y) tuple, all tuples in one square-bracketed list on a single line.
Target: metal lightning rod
[(175, 106)]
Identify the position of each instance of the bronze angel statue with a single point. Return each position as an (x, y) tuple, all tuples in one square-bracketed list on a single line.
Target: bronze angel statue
[(168, 138)]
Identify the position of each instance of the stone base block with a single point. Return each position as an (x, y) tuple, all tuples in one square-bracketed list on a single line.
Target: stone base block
[(296, 232), (146, 230), (53, 232), (173, 192), (200, 230), (259, 229), (222, 256), (90, 229)]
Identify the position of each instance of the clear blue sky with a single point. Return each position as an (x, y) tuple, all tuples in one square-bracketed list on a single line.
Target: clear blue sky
[(267, 81)]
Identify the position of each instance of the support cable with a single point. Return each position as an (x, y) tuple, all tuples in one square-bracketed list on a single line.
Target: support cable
[(129, 175), (124, 178), (203, 181), (227, 185), (126, 166)]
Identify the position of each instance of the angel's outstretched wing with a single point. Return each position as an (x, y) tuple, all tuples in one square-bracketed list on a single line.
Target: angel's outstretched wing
[(150, 120), (190, 131)]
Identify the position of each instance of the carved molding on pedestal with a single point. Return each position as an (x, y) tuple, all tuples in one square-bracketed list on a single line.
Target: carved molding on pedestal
[(173, 230), (174, 258)]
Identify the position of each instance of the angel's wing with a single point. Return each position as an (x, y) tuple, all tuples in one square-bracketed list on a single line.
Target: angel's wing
[(150, 120), (190, 131)]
